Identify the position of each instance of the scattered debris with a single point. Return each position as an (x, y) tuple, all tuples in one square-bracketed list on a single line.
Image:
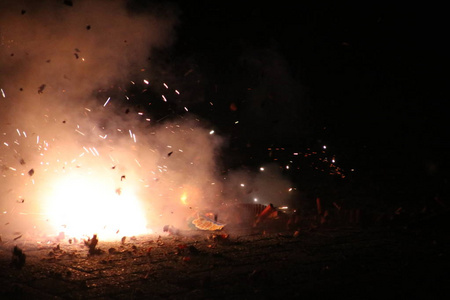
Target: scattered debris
[(193, 250), (18, 258), (171, 230), (205, 223), (92, 243), (268, 212)]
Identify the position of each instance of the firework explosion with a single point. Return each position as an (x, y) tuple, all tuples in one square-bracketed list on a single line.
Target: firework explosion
[(76, 163), (84, 149)]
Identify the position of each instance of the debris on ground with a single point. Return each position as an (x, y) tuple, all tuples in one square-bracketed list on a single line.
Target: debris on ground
[(92, 244), (205, 223), (18, 258)]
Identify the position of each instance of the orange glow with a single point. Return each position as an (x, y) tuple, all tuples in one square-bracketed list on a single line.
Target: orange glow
[(184, 198), (83, 206)]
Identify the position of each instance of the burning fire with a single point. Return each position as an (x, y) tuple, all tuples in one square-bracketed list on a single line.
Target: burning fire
[(84, 206)]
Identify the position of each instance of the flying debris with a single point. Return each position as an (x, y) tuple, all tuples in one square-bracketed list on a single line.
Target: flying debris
[(68, 2), (122, 177), (31, 172), (23, 11), (170, 153), (22, 161), (88, 27), (41, 89)]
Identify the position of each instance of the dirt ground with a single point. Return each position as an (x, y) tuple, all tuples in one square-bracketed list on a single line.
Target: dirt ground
[(405, 261)]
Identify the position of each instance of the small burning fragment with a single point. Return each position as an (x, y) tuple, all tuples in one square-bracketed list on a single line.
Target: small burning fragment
[(18, 258), (268, 213), (41, 89)]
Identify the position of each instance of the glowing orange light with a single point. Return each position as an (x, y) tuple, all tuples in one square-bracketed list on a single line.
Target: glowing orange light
[(80, 206), (184, 198)]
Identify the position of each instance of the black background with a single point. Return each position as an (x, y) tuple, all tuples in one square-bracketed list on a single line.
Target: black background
[(366, 79)]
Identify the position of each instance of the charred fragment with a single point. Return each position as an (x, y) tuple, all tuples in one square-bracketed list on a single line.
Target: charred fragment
[(31, 172), (41, 89), (92, 244)]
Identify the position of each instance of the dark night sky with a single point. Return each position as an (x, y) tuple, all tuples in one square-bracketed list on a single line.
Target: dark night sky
[(366, 78)]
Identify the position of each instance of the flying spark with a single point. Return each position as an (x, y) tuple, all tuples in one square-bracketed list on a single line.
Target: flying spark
[(107, 100)]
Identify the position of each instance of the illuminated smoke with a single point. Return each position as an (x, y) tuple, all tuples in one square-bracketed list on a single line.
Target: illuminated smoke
[(72, 158), (72, 162)]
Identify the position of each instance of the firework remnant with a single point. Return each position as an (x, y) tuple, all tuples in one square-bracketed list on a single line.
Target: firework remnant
[(18, 258)]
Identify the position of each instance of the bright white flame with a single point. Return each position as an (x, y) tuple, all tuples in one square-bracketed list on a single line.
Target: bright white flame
[(79, 206)]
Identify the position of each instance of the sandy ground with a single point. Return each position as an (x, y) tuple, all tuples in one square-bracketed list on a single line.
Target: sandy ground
[(406, 261)]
